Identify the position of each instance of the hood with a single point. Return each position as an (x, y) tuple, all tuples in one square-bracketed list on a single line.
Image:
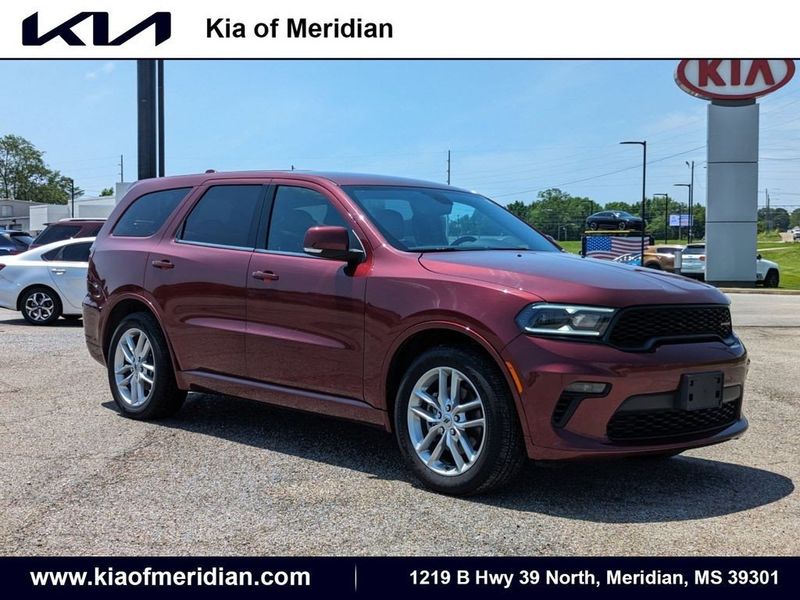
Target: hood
[(569, 278)]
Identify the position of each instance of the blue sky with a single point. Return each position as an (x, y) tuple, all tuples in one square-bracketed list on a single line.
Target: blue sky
[(514, 127)]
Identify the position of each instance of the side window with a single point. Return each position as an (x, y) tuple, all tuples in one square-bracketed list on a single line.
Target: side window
[(56, 233), (148, 213), (76, 252), (294, 211), (53, 254), (226, 215)]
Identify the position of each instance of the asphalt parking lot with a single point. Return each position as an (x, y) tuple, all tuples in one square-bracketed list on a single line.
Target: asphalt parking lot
[(229, 476)]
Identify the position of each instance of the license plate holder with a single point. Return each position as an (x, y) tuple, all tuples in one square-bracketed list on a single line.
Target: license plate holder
[(700, 391)]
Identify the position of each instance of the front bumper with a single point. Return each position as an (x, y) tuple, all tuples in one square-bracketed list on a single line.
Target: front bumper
[(548, 366)]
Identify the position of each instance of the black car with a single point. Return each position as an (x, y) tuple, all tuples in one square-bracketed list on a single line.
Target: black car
[(613, 219), (14, 242)]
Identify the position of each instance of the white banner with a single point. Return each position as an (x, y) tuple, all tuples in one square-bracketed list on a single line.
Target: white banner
[(394, 29)]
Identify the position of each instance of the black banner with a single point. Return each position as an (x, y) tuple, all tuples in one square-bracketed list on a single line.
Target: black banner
[(173, 577)]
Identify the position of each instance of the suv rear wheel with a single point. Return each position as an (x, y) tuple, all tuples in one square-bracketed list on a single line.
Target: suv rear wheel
[(140, 371), (456, 423)]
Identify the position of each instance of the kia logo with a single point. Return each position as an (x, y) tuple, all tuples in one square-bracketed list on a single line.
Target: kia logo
[(733, 79), (161, 21)]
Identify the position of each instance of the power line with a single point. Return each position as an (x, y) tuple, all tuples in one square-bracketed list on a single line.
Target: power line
[(650, 162)]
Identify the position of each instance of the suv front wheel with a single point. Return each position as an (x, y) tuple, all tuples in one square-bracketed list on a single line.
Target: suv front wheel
[(140, 370), (456, 423)]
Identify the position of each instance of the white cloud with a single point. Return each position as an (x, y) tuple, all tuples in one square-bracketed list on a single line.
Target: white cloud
[(106, 69)]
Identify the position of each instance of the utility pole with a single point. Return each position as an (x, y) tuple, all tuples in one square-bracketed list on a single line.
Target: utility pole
[(768, 224), (643, 144), (448, 167), (147, 122), (121, 168), (72, 197), (691, 203), (160, 103)]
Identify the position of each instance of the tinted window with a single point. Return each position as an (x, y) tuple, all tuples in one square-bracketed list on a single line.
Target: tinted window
[(429, 219), (21, 239), (694, 250), (294, 212), (148, 213), (56, 233), (76, 252), (226, 215)]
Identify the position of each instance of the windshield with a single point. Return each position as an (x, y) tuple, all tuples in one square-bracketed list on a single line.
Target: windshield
[(438, 220), (622, 213), (22, 238), (694, 250)]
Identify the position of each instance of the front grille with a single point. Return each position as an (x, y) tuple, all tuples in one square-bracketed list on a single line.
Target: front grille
[(639, 328), (662, 425)]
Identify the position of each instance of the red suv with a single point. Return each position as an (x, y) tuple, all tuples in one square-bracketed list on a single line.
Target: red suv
[(420, 308)]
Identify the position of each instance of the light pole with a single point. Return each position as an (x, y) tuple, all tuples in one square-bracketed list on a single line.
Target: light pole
[(643, 144), (666, 213), (691, 202), (680, 218)]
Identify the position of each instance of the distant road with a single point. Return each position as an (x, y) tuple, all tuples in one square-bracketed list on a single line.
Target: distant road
[(764, 310)]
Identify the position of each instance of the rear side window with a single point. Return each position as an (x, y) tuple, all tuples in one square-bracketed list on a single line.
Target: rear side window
[(226, 215), (56, 233), (76, 252), (148, 213)]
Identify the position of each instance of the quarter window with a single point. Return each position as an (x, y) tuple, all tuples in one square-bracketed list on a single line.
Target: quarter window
[(295, 210), (226, 215), (69, 253), (148, 213)]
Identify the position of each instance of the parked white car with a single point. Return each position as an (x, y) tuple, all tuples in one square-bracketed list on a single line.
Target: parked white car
[(47, 282), (693, 264)]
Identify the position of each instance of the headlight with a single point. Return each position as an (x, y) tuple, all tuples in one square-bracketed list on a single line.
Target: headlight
[(565, 319)]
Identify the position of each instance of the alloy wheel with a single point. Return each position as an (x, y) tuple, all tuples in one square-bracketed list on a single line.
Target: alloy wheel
[(446, 421), (134, 368), (39, 306)]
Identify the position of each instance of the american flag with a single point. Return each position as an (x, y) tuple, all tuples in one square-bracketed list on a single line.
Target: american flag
[(609, 247)]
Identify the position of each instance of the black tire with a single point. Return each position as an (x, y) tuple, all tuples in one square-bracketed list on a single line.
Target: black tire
[(773, 279), (654, 265), (658, 456), (622, 225), (36, 301), (164, 398), (502, 451), (593, 225)]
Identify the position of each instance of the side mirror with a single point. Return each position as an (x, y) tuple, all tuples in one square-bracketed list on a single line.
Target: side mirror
[(758, 257), (330, 242)]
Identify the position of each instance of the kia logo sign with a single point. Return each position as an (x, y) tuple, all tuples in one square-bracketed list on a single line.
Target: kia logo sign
[(160, 21), (733, 79)]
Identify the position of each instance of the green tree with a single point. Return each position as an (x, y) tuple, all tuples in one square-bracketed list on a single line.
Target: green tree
[(25, 176), (634, 208), (794, 218), (518, 208), (107, 191), (779, 218)]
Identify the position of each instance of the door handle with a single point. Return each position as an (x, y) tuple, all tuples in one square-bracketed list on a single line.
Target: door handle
[(265, 275), (163, 264), (58, 271)]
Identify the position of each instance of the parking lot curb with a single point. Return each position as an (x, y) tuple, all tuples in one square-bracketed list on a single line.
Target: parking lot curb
[(768, 291)]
